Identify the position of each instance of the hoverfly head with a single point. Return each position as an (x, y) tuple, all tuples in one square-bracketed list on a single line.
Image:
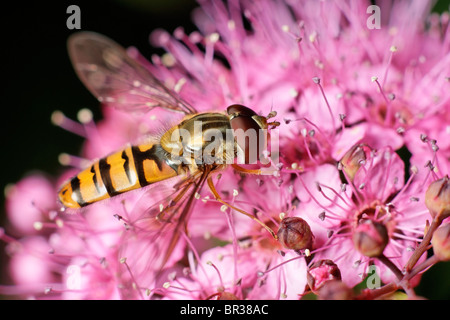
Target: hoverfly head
[(250, 131)]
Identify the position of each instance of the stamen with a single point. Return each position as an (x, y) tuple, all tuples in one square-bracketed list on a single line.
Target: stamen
[(85, 116), (312, 196), (262, 273), (330, 245), (209, 263), (388, 115), (317, 81), (66, 159), (6, 238), (406, 186), (308, 151), (230, 222), (209, 48), (190, 40), (39, 225), (391, 50), (123, 261), (328, 198), (195, 253), (327, 139), (59, 119), (355, 190), (404, 237)]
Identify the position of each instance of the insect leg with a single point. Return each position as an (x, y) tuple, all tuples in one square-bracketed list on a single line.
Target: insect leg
[(253, 171), (244, 170), (173, 201), (218, 198)]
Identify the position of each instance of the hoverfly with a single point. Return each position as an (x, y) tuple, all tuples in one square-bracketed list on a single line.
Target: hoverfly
[(114, 77)]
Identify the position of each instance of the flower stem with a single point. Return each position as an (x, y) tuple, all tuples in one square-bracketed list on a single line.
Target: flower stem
[(370, 294), (423, 245), (421, 267), (388, 263)]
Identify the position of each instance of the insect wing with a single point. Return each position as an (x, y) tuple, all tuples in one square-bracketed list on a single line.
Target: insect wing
[(115, 78), (157, 231)]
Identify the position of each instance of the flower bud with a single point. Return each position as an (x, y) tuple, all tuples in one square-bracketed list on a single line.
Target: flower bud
[(437, 198), (335, 290), (441, 242), (370, 238), (320, 272), (295, 234), (354, 159)]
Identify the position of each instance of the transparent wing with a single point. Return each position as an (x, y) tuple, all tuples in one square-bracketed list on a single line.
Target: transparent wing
[(164, 222), (115, 78)]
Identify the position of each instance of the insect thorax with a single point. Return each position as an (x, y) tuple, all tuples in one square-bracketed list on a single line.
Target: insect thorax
[(205, 138)]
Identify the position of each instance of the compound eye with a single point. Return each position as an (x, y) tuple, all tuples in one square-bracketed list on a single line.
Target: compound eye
[(247, 132), (241, 117), (238, 109)]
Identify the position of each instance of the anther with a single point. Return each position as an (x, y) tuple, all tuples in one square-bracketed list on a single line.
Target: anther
[(84, 115), (231, 25), (59, 223), (38, 225), (57, 117), (214, 37), (423, 137), (322, 216)]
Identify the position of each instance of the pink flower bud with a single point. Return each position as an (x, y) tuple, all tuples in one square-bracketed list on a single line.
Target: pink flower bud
[(295, 234), (441, 242), (320, 272), (437, 198), (354, 159), (370, 238), (335, 290)]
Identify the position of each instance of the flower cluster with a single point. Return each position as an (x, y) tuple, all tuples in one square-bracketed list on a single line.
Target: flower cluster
[(361, 189)]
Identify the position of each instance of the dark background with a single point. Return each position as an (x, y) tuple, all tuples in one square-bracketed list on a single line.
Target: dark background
[(38, 79)]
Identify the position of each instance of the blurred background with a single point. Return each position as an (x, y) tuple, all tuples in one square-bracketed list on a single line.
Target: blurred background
[(38, 79)]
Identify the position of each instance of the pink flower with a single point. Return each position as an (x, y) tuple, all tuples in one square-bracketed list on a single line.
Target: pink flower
[(429, 143), (377, 193), (351, 102), (253, 265)]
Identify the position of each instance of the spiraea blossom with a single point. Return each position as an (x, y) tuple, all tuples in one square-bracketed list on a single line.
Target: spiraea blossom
[(360, 190)]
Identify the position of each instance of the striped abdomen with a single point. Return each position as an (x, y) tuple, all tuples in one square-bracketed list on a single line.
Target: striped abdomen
[(129, 169)]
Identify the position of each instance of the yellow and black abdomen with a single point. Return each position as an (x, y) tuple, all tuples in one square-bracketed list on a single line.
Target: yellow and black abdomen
[(128, 169)]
